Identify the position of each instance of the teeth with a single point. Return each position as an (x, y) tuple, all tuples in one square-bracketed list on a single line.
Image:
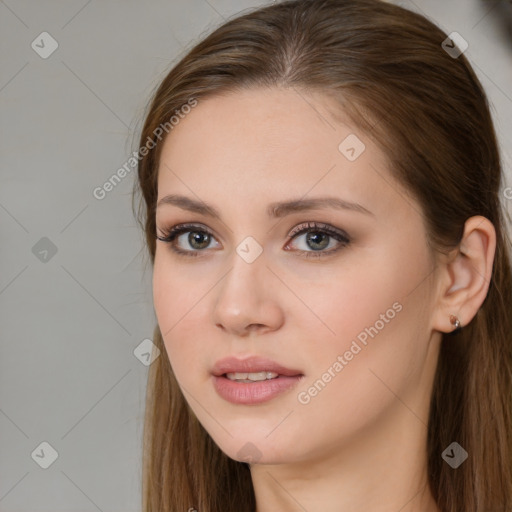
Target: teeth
[(251, 377)]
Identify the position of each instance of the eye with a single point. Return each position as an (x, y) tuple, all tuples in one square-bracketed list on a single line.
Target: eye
[(198, 238), (318, 238)]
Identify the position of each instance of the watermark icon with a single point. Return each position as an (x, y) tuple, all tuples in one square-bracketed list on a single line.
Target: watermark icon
[(249, 249), (101, 192), (44, 45), (508, 193), (304, 397), (454, 455), (249, 453), (45, 455), (146, 352), (351, 147), (454, 45), (44, 249)]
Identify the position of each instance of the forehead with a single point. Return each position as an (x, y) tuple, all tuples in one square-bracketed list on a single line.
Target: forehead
[(258, 122), (271, 143)]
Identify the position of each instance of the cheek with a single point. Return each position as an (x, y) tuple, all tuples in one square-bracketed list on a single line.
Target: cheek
[(362, 290), (371, 318), (348, 298), (359, 323), (180, 298), (176, 288)]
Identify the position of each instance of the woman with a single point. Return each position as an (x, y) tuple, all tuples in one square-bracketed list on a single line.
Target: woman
[(320, 188)]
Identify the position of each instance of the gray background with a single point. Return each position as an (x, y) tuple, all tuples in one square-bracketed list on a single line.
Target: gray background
[(72, 319)]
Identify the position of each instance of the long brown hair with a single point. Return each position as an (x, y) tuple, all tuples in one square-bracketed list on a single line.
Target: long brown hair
[(427, 110)]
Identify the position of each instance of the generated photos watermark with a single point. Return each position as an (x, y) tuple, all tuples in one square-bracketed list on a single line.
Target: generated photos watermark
[(101, 192), (304, 397)]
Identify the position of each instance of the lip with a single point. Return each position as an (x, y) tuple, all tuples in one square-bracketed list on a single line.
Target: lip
[(251, 364), (254, 392)]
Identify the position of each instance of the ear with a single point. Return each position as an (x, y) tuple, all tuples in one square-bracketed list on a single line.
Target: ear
[(465, 274)]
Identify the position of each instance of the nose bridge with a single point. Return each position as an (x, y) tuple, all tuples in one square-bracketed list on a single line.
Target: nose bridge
[(246, 296), (245, 281)]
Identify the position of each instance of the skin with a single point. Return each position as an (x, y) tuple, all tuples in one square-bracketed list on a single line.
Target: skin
[(359, 443)]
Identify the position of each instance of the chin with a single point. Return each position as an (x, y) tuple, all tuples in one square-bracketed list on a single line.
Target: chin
[(254, 452)]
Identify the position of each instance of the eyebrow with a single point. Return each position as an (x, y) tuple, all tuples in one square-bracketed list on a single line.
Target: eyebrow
[(274, 210)]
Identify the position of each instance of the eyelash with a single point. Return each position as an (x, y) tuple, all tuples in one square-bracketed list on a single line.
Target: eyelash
[(308, 227)]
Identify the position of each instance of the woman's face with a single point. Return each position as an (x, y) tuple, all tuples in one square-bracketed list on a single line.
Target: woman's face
[(347, 307)]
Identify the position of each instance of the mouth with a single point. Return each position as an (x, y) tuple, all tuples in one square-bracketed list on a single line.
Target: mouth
[(254, 368), (251, 377), (252, 380)]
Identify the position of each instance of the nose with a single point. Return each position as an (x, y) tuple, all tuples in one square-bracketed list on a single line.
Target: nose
[(247, 299)]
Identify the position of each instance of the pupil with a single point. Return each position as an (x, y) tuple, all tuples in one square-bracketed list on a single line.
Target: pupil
[(196, 236), (316, 238)]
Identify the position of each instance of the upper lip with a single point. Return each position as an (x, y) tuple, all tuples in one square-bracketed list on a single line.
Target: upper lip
[(251, 364)]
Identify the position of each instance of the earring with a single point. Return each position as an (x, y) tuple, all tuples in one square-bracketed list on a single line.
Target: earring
[(456, 323)]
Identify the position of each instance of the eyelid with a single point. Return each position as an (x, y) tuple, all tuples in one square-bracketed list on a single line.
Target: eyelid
[(184, 227), (177, 230), (294, 231), (319, 226)]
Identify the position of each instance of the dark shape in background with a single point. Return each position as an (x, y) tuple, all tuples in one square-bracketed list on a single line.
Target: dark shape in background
[(501, 13)]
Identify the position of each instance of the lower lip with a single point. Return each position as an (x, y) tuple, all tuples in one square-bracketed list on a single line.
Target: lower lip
[(253, 393)]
